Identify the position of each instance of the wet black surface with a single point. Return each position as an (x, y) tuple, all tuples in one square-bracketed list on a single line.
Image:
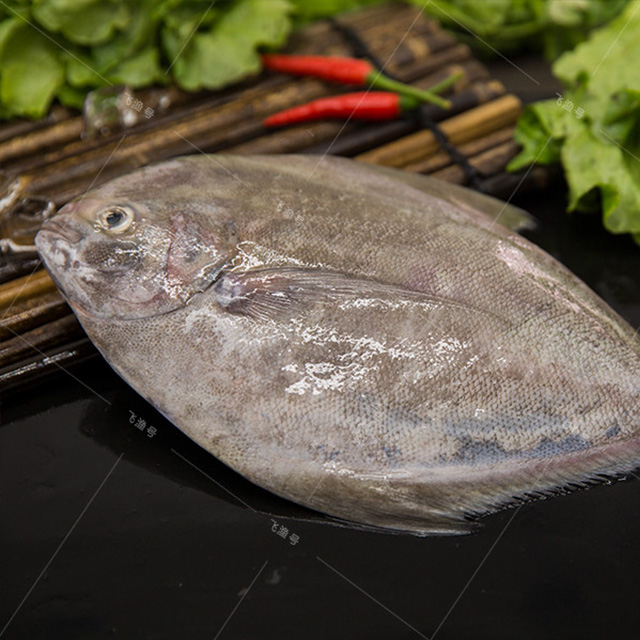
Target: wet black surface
[(108, 532)]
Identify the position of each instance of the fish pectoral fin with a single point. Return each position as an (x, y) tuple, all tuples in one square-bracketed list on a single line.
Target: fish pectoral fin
[(284, 292)]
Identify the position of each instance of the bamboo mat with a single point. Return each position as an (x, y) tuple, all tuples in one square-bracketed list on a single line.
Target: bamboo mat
[(46, 163)]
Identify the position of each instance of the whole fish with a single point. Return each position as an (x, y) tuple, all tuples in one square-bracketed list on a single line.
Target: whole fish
[(365, 342)]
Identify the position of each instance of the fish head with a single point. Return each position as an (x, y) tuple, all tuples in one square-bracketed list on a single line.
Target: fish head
[(129, 250)]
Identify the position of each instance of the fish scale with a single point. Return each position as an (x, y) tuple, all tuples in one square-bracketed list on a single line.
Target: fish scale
[(368, 343)]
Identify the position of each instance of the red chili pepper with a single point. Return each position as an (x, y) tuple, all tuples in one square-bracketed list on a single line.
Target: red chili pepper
[(332, 68), (363, 105), (353, 71)]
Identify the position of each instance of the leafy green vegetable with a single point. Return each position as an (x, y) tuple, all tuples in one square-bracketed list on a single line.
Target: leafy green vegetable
[(31, 69), (510, 25), (82, 21), (214, 58), (306, 10), (68, 47), (593, 129)]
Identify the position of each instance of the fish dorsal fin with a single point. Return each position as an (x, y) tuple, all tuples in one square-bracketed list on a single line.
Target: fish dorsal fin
[(481, 209), (468, 200)]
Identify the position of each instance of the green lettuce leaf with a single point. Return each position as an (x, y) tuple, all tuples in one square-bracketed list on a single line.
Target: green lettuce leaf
[(594, 127), (306, 10), (228, 51), (87, 22), (541, 131), (203, 44), (137, 70), (31, 70)]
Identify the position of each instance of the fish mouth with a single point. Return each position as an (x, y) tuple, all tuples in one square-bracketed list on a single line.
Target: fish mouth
[(56, 228)]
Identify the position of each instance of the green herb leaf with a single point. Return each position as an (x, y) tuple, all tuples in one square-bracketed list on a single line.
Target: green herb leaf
[(541, 131), (88, 22), (306, 10), (139, 69), (200, 44), (228, 51), (31, 71), (594, 125)]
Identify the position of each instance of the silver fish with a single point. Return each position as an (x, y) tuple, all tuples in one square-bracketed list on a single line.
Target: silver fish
[(365, 342)]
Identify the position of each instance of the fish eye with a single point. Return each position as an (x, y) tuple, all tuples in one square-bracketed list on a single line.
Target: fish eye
[(115, 219)]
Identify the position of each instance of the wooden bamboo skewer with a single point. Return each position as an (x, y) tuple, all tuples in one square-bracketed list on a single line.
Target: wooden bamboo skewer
[(442, 159), (51, 359), (11, 130), (487, 163), (13, 267), (41, 139), (26, 287), (460, 129), (31, 313), (40, 338)]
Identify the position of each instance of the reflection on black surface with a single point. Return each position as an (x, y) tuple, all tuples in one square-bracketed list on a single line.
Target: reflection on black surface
[(171, 454)]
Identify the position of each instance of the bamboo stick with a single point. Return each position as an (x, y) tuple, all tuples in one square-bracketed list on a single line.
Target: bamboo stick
[(487, 163), (22, 288), (460, 129), (40, 338), (12, 267), (20, 127), (41, 139), (442, 159), (37, 364), (31, 313)]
